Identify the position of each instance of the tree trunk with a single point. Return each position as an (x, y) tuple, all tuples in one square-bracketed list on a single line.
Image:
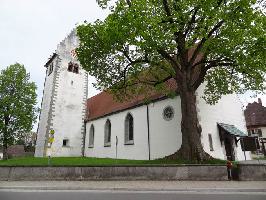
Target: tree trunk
[(5, 156), (5, 134), (191, 148)]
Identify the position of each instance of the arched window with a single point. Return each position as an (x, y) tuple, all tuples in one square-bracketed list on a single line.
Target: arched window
[(73, 67), (91, 137), (129, 129), (76, 68), (70, 67), (107, 133)]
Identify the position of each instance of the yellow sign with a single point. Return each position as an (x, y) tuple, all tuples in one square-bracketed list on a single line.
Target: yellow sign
[(52, 132), (51, 140)]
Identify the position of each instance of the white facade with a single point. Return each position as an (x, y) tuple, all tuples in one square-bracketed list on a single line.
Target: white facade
[(64, 104), (165, 136), (229, 111), (263, 130)]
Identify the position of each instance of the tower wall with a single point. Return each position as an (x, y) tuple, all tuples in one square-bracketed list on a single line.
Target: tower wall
[(64, 104), (45, 115)]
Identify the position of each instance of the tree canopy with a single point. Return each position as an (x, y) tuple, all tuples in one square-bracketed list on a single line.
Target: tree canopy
[(230, 34), (144, 44), (17, 104)]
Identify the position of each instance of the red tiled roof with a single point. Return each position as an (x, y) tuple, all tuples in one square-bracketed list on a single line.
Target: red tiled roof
[(255, 114), (103, 103)]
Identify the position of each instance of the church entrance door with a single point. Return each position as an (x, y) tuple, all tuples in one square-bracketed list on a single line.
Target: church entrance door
[(229, 149)]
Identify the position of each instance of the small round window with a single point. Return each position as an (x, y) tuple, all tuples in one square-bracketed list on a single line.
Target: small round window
[(168, 113)]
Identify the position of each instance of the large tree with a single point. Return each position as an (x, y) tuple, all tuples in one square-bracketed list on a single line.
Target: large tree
[(143, 44), (17, 105)]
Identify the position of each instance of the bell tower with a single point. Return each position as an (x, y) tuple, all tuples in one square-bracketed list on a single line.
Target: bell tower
[(63, 106)]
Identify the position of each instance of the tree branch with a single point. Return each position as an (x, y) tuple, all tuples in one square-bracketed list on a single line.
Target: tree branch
[(180, 40), (173, 62), (200, 79), (192, 21), (203, 40), (212, 64), (166, 8), (213, 61)]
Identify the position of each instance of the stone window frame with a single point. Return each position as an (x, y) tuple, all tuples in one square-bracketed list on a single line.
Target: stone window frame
[(210, 142), (166, 112), (129, 118), (107, 133), (91, 136)]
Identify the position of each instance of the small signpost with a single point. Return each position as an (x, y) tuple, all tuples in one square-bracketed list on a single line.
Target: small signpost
[(50, 141)]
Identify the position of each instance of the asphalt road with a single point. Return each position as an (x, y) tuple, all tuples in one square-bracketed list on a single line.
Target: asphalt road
[(126, 195)]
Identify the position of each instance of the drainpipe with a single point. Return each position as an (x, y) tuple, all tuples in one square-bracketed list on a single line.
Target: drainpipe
[(84, 138), (148, 126)]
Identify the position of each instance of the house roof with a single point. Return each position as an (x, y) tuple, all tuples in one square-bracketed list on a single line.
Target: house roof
[(255, 114), (104, 103)]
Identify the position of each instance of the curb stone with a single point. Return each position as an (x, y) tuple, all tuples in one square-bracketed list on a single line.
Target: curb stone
[(135, 189)]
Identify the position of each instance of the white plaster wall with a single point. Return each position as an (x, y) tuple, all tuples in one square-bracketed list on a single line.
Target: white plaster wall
[(165, 136), (137, 151), (69, 105), (228, 110), (39, 152), (263, 130)]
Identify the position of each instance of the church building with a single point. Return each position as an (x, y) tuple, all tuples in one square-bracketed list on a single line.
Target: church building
[(103, 128)]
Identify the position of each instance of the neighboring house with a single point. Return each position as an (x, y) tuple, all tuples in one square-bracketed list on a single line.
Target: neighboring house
[(16, 151), (255, 115), (102, 127)]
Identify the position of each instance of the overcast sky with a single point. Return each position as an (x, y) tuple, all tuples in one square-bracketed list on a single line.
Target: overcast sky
[(31, 29)]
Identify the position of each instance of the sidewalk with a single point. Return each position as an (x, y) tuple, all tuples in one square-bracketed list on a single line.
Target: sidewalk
[(228, 186)]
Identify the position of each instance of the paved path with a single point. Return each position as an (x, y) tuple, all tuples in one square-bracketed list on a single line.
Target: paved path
[(240, 186)]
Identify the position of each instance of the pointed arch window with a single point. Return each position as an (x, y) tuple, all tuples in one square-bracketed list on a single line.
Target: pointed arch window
[(107, 133), (129, 129), (76, 68), (91, 137)]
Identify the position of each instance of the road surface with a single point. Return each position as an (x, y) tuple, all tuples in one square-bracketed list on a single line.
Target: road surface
[(14, 194)]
